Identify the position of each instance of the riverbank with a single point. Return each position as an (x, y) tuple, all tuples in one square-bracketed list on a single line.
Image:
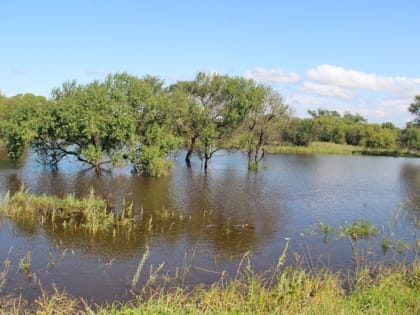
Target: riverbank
[(379, 290), (338, 149)]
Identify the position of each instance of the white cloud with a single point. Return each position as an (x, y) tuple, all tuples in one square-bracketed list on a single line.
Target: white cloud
[(341, 77), (327, 90), (272, 75)]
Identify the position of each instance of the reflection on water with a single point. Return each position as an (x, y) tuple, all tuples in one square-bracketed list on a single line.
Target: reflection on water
[(215, 217)]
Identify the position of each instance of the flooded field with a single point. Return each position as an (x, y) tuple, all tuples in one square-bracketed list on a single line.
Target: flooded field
[(191, 226)]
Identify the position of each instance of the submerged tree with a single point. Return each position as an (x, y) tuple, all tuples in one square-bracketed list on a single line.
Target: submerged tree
[(139, 121), (158, 115), (93, 123), (262, 122), (22, 115), (216, 105), (122, 119)]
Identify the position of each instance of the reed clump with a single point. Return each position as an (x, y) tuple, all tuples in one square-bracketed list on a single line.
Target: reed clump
[(90, 213)]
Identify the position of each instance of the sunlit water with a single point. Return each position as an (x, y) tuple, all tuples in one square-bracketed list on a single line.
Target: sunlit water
[(228, 212)]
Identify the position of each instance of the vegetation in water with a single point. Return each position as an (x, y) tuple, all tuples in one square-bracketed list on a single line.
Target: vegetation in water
[(25, 263), (91, 213), (126, 120), (360, 229)]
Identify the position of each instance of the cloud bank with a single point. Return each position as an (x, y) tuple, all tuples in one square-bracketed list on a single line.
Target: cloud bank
[(272, 75), (378, 98), (352, 79)]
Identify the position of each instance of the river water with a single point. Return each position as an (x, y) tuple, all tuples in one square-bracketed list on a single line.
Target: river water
[(224, 215)]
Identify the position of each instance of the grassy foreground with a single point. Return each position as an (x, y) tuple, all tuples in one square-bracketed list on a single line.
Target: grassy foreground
[(387, 290), (342, 149)]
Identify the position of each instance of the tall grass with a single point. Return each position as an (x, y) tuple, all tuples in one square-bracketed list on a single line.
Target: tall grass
[(388, 290), (314, 148), (91, 213)]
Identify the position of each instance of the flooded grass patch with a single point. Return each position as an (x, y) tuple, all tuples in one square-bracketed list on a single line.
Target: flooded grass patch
[(91, 213)]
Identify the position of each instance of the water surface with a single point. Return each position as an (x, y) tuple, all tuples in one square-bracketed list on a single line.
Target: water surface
[(221, 215)]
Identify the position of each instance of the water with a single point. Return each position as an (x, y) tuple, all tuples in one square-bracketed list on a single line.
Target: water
[(226, 212)]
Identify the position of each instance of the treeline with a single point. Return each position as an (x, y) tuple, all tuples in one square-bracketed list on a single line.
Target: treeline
[(351, 129), (141, 121)]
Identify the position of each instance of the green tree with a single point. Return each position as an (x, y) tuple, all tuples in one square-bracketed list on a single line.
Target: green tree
[(216, 106), (410, 137), (159, 127), (297, 131), (353, 118), (22, 115), (261, 124), (376, 137), (415, 109), (92, 122)]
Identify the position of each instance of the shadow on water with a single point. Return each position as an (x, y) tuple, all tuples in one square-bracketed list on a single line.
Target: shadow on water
[(207, 220)]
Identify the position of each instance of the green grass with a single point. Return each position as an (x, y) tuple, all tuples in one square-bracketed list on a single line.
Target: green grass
[(91, 213), (314, 148), (338, 149), (360, 229), (387, 290)]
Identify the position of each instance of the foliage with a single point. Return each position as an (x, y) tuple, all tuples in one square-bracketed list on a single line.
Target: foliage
[(262, 123), (216, 106), (330, 126), (360, 229), (410, 137), (415, 109), (21, 117), (297, 131)]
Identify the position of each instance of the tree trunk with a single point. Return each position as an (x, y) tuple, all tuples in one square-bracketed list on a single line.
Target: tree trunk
[(97, 167), (206, 161), (190, 152), (188, 158), (249, 158)]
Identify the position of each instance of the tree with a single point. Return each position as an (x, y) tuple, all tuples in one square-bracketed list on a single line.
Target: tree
[(410, 137), (297, 131), (123, 119), (261, 123), (216, 106), (356, 118), (158, 129), (22, 116), (92, 122), (415, 109)]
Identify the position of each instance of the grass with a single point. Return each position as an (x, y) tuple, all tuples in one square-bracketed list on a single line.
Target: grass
[(338, 149), (91, 213), (360, 229), (385, 290)]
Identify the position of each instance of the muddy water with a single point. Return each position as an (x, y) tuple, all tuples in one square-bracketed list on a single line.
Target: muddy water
[(215, 219)]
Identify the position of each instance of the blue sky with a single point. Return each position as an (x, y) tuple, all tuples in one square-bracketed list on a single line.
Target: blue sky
[(361, 56)]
